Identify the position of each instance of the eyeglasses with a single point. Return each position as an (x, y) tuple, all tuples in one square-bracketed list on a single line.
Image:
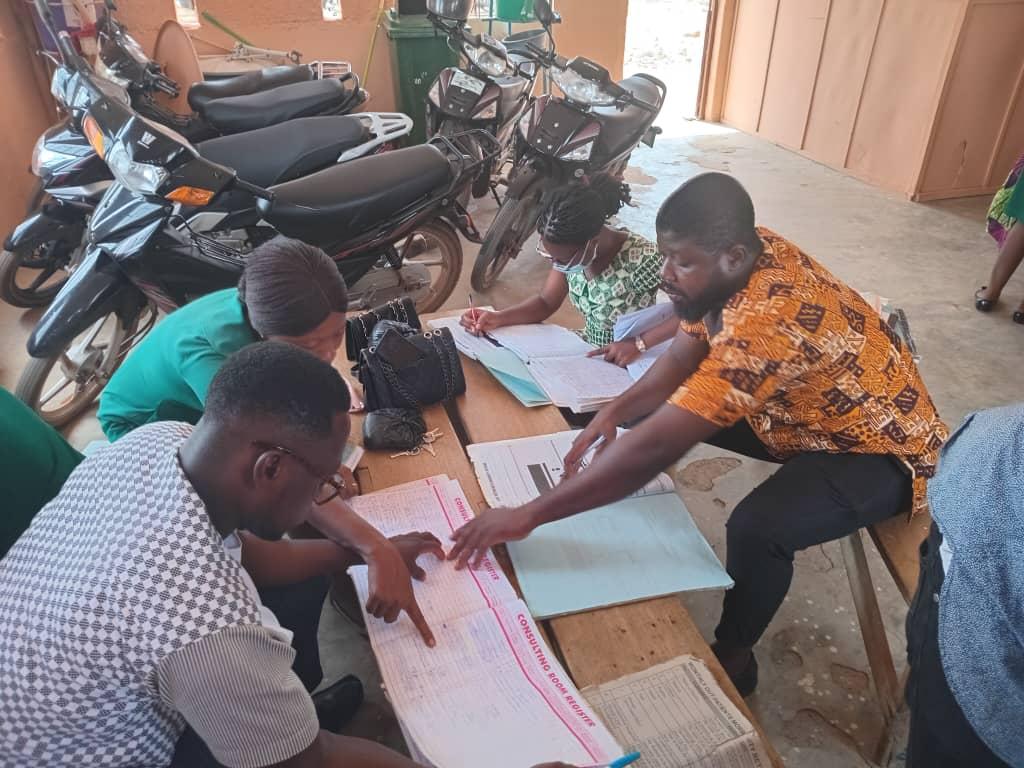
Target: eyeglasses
[(577, 263), (330, 487)]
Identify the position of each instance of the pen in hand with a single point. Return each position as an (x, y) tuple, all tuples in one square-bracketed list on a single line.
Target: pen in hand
[(622, 762)]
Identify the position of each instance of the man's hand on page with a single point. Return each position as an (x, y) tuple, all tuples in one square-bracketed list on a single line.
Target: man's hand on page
[(494, 526), (391, 568), (602, 426)]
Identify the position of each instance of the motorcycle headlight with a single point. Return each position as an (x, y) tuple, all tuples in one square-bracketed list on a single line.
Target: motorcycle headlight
[(39, 152), (434, 94), (580, 89), (141, 178), (488, 113), (488, 61), (107, 73), (581, 154)]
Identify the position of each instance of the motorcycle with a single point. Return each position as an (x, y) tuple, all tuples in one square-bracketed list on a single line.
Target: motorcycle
[(490, 91), (388, 220), (221, 106), (594, 128), (40, 252)]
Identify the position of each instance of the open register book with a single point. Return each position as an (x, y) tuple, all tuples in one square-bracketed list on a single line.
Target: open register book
[(644, 546), (551, 358), (490, 693)]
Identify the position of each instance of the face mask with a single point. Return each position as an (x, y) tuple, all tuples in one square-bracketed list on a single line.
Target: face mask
[(577, 264)]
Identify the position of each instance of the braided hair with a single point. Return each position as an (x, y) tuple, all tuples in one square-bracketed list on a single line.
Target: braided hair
[(575, 214)]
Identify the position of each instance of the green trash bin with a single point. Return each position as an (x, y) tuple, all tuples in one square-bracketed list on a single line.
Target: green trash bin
[(513, 10), (418, 53)]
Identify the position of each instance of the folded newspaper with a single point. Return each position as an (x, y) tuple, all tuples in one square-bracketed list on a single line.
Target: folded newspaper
[(676, 716)]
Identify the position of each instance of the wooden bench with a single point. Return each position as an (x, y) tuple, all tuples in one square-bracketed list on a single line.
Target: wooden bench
[(897, 541), (605, 644)]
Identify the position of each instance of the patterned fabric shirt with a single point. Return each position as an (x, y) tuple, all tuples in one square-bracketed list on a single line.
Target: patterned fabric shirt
[(629, 283), (123, 616), (812, 367)]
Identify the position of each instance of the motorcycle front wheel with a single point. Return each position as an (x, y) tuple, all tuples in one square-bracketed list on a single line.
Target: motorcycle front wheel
[(32, 277), (61, 387), (515, 222)]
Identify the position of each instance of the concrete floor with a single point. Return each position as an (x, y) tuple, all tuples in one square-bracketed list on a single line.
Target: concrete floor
[(815, 698)]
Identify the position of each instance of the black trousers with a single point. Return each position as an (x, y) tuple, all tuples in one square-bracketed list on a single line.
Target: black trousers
[(297, 608), (940, 735), (811, 499)]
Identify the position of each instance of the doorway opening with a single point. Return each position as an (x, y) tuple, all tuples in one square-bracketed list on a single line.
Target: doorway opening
[(666, 38)]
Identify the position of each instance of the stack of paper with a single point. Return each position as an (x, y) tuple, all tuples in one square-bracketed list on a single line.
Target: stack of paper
[(635, 323), (543, 363), (504, 365), (676, 716), (490, 693), (641, 547)]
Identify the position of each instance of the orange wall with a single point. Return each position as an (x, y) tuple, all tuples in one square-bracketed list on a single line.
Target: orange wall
[(918, 96), (27, 113)]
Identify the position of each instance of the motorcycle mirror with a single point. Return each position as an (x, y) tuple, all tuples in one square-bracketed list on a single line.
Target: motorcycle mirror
[(544, 14), (449, 9)]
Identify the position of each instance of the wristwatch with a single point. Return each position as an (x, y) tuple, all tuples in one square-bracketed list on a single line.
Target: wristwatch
[(639, 341)]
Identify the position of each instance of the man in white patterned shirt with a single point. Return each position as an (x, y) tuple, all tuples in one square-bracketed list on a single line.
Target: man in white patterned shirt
[(129, 610)]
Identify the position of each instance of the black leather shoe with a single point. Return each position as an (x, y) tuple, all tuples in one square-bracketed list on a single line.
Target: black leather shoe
[(983, 305), (337, 704), (745, 679)]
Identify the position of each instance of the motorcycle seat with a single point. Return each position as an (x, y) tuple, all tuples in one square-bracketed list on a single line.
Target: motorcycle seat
[(343, 201), (201, 94), (286, 151), (287, 102), (623, 128)]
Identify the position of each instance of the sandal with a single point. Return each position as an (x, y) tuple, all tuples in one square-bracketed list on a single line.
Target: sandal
[(985, 305)]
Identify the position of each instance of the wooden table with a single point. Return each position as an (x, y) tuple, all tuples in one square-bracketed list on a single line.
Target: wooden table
[(596, 646)]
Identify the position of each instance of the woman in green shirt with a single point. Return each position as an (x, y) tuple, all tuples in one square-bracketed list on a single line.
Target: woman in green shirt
[(605, 272), (290, 292)]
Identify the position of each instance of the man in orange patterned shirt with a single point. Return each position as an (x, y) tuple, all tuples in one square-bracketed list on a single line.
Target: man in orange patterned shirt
[(775, 359)]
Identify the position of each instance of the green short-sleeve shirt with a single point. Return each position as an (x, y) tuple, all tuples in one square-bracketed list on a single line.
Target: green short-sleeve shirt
[(167, 375), (629, 283), (34, 463)]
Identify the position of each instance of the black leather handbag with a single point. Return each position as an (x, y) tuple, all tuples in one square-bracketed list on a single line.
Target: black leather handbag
[(399, 371), (359, 328)]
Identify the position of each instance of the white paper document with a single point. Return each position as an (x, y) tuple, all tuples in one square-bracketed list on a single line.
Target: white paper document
[(581, 383), (538, 340), (468, 344), (643, 364), (677, 716), (490, 692), (641, 547), (641, 321), (514, 472)]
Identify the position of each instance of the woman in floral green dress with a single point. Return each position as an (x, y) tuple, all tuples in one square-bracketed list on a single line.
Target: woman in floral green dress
[(605, 272)]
